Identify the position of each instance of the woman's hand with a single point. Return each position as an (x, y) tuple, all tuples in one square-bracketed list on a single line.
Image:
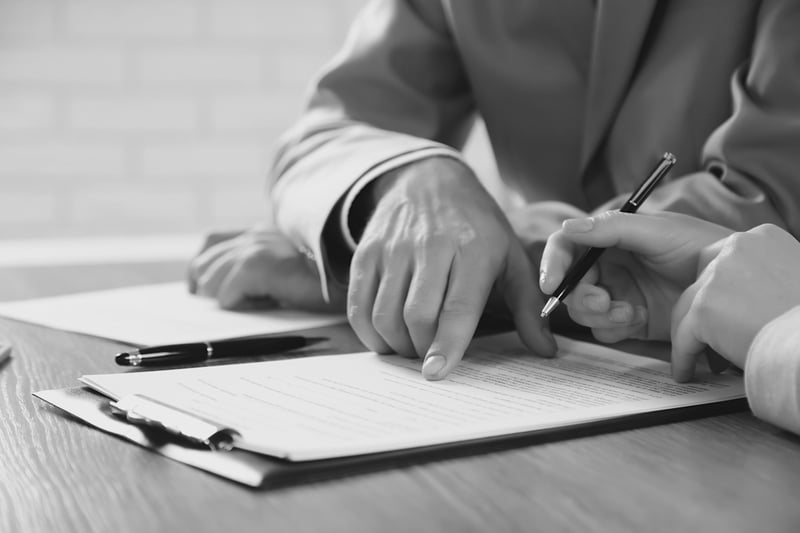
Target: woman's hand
[(745, 281), (635, 284)]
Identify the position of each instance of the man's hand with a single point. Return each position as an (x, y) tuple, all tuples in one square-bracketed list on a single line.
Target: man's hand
[(259, 268), (433, 250), (745, 281), (651, 260)]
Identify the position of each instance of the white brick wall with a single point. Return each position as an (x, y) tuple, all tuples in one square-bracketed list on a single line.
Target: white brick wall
[(224, 160), (25, 160), (50, 65), (123, 116), (150, 116), (24, 112), (126, 19), (132, 114), (27, 18)]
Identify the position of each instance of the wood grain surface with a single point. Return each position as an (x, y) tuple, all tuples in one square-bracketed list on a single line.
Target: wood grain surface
[(725, 473)]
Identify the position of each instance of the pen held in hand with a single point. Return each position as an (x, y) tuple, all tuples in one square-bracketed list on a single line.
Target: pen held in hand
[(582, 266), (197, 352)]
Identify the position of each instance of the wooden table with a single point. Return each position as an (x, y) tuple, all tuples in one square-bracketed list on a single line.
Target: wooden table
[(726, 473)]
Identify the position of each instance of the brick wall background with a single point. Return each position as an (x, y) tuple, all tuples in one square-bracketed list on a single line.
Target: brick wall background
[(152, 116)]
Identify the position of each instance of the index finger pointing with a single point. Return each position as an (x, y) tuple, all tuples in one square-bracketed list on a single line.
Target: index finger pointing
[(471, 280), (687, 343)]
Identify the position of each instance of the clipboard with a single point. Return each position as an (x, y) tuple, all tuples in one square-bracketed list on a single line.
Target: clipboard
[(264, 472)]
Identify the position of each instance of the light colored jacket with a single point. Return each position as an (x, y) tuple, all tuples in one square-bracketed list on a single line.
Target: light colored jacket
[(579, 103)]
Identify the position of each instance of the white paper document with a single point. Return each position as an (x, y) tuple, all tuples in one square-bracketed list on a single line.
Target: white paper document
[(157, 314), (335, 406)]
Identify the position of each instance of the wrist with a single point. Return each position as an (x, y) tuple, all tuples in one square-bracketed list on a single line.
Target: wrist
[(404, 182), (534, 223)]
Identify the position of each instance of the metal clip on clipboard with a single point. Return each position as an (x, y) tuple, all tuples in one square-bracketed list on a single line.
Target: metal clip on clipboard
[(144, 411)]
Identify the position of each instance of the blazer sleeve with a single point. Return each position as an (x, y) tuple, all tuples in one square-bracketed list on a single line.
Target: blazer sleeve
[(751, 163), (396, 93), (772, 372)]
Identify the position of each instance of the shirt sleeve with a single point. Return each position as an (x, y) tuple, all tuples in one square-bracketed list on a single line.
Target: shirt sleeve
[(772, 372)]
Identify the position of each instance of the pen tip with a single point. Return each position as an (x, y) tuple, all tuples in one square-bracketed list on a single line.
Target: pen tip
[(122, 359), (551, 304)]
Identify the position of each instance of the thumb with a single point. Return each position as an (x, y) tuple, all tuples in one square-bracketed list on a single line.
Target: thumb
[(687, 343), (525, 303)]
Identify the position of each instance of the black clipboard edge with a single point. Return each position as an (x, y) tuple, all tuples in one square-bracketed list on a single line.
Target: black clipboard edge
[(268, 473), (287, 473)]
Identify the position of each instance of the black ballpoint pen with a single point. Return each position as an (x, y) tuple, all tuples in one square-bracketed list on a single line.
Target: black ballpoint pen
[(582, 266), (197, 352)]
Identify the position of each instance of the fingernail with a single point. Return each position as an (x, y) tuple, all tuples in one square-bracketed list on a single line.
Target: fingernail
[(542, 278), (578, 225), (620, 314), (434, 363)]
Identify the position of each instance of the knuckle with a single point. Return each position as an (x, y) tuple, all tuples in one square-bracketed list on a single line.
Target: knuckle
[(398, 249), (477, 260), (702, 308), (438, 241), (383, 320), (419, 315), (765, 230), (706, 257), (736, 241), (367, 250), (458, 307), (355, 316)]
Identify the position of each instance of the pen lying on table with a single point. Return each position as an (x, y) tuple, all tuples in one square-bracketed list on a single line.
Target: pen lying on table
[(197, 352)]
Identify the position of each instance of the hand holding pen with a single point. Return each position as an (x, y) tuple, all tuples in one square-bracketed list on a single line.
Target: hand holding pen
[(582, 266)]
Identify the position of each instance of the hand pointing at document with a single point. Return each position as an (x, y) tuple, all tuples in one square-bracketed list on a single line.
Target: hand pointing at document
[(434, 248)]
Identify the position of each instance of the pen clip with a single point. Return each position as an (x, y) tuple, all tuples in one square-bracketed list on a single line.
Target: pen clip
[(643, 191), (144, 411)]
